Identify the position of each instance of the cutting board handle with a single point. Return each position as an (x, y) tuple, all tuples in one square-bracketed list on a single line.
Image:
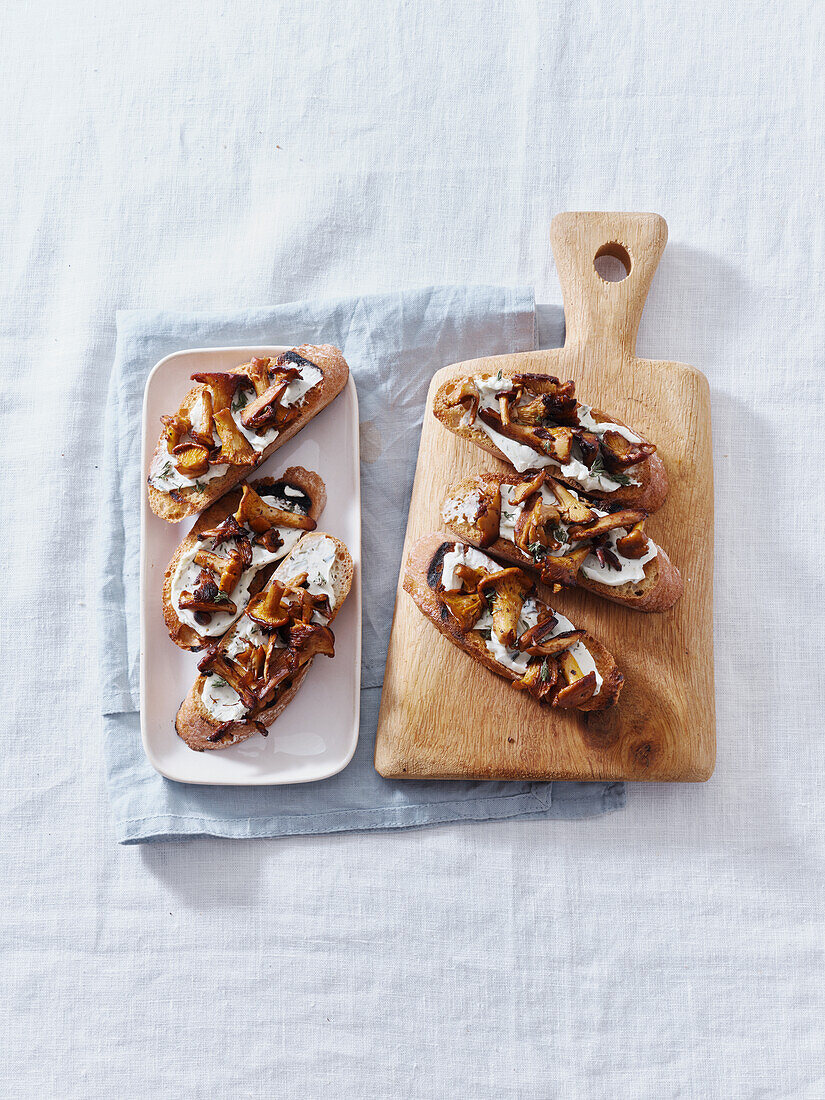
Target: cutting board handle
[(596, 310)]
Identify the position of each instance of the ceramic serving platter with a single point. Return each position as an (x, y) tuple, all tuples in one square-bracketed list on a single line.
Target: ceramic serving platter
[(316, 735)]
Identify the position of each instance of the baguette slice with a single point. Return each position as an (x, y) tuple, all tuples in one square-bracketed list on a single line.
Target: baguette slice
[(422, 581), (649, 494), (197, 726), (658, 590), (176, 504), (189, 636)]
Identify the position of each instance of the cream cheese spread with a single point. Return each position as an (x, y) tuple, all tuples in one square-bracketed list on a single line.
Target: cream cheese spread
[(316, 560), (221, 700), (462, 509), (164, 475)]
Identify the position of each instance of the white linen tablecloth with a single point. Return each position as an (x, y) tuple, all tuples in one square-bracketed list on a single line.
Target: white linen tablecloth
[(204, 155)]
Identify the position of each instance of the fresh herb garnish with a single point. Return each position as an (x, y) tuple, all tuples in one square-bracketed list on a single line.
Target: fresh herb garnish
[(622, 479), (498, 377), (559, 533), (537, 551), (240, 400), (200, 486), (598, 469), (218, 682), (544, 675)]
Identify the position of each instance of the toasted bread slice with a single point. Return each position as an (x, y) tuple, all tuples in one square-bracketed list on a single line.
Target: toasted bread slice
[(423, 576), (176, 503), (649, 476), (196, 725), (657, 589), (183, 627)]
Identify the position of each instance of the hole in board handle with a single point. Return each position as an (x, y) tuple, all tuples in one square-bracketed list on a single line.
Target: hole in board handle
[(612, 262)]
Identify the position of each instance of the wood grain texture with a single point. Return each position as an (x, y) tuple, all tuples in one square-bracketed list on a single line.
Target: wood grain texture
[(443, 715)]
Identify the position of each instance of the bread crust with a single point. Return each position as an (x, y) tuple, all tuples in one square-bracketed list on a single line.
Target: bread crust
[(661, 587), (184, 636), (193, 722), (649, 495), (177, 504), (417, 586)]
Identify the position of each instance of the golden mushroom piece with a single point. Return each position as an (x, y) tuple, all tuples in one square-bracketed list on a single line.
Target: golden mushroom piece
[(635, 543), (267, 609), (538, 525), (564, 568), (620, 453), (557, 442), (204, 432), (521, 492), (257, 371), (627, 517), (465, 392), (505, 590), (305, 642), (235, 448), (488, 517), (537, 641), (572, 509), (466, 608), (260, 516), (174, 429), (539, 680), (191, 459), (576, 693), (221, 385), (206, 598), (557, 402)]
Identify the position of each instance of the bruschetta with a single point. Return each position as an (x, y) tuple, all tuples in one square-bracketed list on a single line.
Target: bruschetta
[(253, 672), (233, 420), (536, 522), (493, 613), (534, 422), (232, 550)]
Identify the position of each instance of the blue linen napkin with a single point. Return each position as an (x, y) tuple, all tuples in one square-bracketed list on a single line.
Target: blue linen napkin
[(393, 344)]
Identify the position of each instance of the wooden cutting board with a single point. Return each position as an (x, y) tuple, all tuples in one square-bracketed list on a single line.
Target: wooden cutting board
[(443, 716)]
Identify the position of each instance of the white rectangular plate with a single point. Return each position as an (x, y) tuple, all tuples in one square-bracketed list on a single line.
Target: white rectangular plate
[(316, 735)]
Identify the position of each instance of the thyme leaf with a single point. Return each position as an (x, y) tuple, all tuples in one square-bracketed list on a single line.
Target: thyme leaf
[(598, 469)]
